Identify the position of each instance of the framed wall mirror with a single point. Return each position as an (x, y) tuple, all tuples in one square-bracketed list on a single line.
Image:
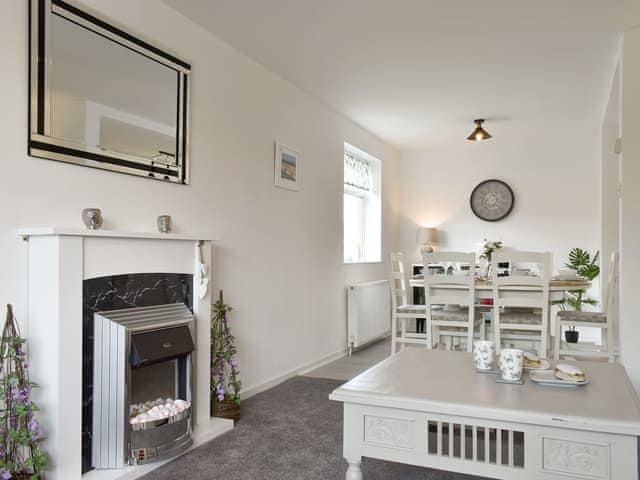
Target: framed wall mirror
[(102, 98)]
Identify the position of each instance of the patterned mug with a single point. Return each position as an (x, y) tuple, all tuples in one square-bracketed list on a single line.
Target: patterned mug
[(483, 352), (511, 363)]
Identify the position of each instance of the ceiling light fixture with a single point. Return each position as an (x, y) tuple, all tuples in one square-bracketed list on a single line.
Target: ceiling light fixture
[(479, 133)]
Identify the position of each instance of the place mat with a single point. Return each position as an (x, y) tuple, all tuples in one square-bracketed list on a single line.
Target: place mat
[(492, 371), (512, 382)]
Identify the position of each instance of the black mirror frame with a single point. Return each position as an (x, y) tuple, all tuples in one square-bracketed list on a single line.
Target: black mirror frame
[(44, 146)]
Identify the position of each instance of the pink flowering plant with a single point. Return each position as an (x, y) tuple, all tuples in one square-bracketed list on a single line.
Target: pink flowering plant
[(20, 433), (225, 383)]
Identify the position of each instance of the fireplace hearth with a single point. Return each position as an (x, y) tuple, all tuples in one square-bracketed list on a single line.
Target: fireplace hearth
[(142, 384)]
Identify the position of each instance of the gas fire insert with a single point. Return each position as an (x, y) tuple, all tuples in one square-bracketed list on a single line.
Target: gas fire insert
[(142, 384)]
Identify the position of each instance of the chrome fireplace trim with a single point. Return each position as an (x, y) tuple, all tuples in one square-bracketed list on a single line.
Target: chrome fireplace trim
[(112, 432)]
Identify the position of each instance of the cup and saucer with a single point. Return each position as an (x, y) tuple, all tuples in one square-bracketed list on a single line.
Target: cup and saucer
[(483, 356), (511, 364)]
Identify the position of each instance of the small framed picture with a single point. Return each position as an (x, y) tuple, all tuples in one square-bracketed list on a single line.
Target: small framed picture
[(287, 167)]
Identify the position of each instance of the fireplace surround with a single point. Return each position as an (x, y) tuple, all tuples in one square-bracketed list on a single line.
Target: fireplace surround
[(59, 261)]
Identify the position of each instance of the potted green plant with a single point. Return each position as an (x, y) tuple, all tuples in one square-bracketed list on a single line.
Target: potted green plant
[(585, 265), (225, 384), (21, 457)]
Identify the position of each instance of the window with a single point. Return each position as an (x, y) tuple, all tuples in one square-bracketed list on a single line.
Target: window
[(361, 207)]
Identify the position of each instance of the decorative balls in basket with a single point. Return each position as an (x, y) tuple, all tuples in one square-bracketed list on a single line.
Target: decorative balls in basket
[(227, 408)]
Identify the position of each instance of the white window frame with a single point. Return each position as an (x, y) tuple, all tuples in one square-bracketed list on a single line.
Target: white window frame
[(372, 228)]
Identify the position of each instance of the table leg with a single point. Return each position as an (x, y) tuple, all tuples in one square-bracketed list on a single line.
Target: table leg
[(354, 472)]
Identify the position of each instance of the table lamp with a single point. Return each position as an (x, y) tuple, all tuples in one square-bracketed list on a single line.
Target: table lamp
[(427, 237)]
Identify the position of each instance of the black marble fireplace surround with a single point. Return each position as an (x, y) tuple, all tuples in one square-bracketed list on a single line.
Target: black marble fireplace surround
[(113, 293)]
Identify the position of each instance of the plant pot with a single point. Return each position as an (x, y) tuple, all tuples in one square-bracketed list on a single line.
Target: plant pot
[(571, 336), (227, 408)]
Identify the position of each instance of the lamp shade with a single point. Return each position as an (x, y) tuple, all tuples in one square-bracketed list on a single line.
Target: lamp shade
[(479, 133), (427, 235)]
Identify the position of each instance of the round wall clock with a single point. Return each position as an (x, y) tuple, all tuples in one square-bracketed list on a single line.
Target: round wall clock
[(492, 200)]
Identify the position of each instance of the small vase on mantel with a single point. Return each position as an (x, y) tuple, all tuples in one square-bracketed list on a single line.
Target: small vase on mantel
[(92, 218)]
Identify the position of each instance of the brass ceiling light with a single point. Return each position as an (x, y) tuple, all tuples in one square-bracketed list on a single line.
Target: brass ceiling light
[(479, 133)]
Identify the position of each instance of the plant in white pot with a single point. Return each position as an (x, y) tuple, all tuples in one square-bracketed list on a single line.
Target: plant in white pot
[(584, 265)]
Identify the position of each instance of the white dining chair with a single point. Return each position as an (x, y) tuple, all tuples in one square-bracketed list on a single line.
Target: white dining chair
[(521, 300), (401, 309), (605, 321), (450, 299)]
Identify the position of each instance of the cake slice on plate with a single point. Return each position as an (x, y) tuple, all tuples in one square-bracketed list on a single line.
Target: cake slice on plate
[(570, 373)]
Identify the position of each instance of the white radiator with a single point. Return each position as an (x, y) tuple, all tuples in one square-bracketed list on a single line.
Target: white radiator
[(368, 312)]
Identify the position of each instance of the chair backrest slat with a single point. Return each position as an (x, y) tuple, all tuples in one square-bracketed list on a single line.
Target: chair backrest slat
[(465, 280), (542, 261), (459, 288), (456, 259), (397, 280), (611, 296), (526, 302), (450, 299), (525, 291)]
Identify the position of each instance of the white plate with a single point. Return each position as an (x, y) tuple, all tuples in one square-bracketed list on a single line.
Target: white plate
[(548, 378), (544, 366)]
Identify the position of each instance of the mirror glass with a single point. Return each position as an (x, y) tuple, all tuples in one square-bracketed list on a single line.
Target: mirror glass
[(107, 96)]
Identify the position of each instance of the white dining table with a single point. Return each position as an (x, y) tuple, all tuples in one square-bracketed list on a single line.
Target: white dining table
[(484, 288)]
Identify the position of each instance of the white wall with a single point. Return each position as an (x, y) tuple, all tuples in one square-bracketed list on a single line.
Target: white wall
[(279, 254), (610, 178), (554, 173), (630, 210)]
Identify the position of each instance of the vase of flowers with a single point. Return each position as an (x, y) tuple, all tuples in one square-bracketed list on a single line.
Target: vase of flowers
[(20, 434), (488, 247), (225, 384)]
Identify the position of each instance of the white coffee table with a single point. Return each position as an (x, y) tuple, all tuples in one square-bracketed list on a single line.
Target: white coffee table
[(430, 408)]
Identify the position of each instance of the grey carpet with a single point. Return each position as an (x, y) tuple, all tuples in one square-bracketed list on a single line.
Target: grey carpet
[(291, 432)]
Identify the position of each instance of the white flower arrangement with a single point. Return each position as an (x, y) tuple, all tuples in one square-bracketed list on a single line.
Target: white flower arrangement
[(490, 246)]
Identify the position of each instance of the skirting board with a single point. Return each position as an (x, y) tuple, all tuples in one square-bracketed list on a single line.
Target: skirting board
[(300, 370), (371, 342), (201, 435)]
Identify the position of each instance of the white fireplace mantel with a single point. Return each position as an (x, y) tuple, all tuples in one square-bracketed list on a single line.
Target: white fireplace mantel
[(25, 233), (60, 259)]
